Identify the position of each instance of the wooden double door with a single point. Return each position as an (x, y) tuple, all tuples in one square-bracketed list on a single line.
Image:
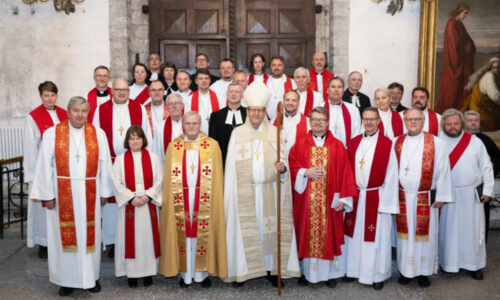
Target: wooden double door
[(178, 29)]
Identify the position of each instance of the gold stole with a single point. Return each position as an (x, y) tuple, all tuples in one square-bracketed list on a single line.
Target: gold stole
[(318, 204), (203, 216), (64, 193)]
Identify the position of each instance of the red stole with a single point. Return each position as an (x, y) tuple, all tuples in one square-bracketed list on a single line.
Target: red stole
[(433, 122), (167, 133), (43, 120), (195, 104), (347, 121), (251, 78), (288, 84), (459, 149), (147, 107), (301, 129), (147, 173), (92, 100), (377, 177), (309, 102), (313, 84), (106, 120), (143, 96), (423, 208), (191, 227), (396, 123)]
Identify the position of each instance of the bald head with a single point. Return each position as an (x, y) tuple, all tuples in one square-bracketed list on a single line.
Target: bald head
[(319, 61)]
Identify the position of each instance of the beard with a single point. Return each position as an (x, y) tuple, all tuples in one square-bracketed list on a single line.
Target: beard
[(453, 134)]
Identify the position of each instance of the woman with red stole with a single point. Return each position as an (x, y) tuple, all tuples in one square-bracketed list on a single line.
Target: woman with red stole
[(257, 67)]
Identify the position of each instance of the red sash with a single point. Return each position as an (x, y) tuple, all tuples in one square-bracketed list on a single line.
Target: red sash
[(92, 100), (288, 84), (191, 227), (377, 177), (147, 174), (423, 208), (106, 120), (433, 122), (347, 121), (147, 107), (251, 78), (313, 84), (43, 120), (309, 102), (459, 149), (396, 123), (143, 96), (214, 102)]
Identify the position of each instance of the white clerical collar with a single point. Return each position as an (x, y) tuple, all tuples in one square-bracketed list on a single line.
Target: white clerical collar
[(119, 104), (50, 110), (157, 106), (301, 92), (388, 112), (176, 121), (204, 94), (371, 136), (140, 86), (188, 140), (335, 104), (416, 136), (72, 128), (319, 140), (292, 116)]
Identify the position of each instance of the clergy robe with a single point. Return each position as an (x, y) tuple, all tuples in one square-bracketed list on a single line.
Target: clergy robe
[(220, 89), (123, 116), (339, 121), (319, 227), (73, 269), (261, 77), (399, 108), (360, 100), (319, 81), (169, 89), (431, 124), (194, 87), (166, 131), (294, 128), (96, 98), (140, 93), (391, 124), (250, 206), (368, 247), (456, 66), (204, 104), (39, 120), (185, 96), (309, 99), (277, 87), (417, 253), (192, 233), (462, 242), (221, 126), (144, 262)]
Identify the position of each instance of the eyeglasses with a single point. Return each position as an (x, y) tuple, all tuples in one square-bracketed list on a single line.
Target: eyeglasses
[(191, 123), (370, 119), (156, 90), (314, 120), (414, 120), (121, 90), (174, 103), (256, 110)]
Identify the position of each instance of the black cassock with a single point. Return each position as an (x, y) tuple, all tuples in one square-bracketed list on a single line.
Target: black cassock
[(220, 131), (364, 100)]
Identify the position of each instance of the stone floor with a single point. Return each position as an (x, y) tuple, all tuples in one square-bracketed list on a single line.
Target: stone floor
[(24, 276)]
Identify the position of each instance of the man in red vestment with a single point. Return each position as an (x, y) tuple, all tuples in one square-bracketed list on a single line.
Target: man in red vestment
[(319, 74), (458, 61), (324, 184), (101, 93)]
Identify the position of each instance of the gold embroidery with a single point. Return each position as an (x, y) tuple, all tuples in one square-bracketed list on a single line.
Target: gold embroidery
[(317, 204)]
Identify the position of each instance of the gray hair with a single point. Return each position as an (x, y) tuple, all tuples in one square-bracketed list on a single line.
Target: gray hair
[(354, 72), (472, 112), (76, 100), (413, 109), (190, 114), (235, 84), (386, 91), (450, 112), (173, 95), (301, 69)]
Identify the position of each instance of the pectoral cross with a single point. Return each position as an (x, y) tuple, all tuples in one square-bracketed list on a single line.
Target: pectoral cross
[(78, 157), (192, 167), (335, 128), (257, 154), (121, 129), (361, 163), (406, 170)]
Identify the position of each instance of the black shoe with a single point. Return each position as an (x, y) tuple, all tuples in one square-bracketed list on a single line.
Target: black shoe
[(182, 284), (423, 281), (42, 252), (302, 281), (348, 279), (403, 280), (238, 284), (206, 283), (111, 251), (268, 276), (274, 281), (132, 282), (65, 291), (378, 285), (478, 275), (332, 283), (148, 281), (96, 288)]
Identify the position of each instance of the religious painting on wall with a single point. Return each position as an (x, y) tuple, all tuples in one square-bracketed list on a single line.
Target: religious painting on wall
[(467, 64)]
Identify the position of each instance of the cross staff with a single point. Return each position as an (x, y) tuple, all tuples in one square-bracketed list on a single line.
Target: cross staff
[(279, 126)]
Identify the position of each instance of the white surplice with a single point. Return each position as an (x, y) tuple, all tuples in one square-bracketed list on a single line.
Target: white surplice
[(158, 145), (69, 269), (144, 264), (220, 89), (121, 118), (277, 88), (426, 121), (371, 261), (416, 258), (184, 95), (290, 130), (386, 118), (135, 90), (204, 109), (317, 100), (36, 223), (462, 242), (337, 126)]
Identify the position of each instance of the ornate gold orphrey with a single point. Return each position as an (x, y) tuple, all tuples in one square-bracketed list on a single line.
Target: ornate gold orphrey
[(68, 6)]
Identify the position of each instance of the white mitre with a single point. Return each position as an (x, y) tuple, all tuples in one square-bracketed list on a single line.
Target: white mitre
[(257, 94)]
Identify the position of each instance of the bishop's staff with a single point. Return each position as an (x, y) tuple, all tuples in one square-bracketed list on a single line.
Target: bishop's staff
[(279, 125)]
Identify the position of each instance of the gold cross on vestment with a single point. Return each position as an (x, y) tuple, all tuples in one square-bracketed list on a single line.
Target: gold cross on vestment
[(121, 129), (192, 167), (371, 227), (361, 163), (130, 214), (242, 151), (257, 154)]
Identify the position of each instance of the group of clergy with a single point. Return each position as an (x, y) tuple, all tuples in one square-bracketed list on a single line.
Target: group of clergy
[(354, 180)]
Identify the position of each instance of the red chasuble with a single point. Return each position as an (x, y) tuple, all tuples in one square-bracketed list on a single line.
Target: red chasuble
[(319, 228), (459, 149), (313, 84), (195, 104), (147, 174), (147, 107), (377, 177), (43, 120), (143, 96), (396, 123), (251, 78), (347, 121), (92, 100), (433, 122)]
